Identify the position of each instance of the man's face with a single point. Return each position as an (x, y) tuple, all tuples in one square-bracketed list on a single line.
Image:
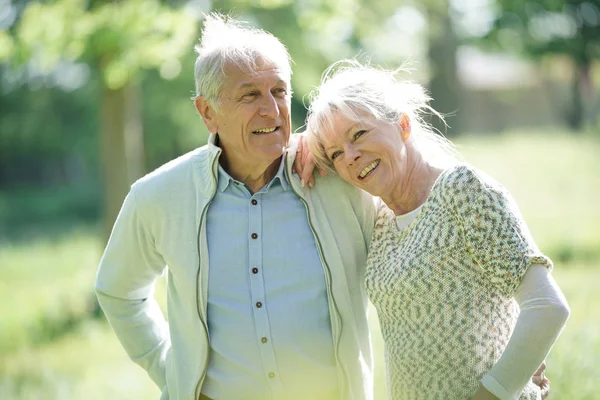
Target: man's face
[(253, 121)]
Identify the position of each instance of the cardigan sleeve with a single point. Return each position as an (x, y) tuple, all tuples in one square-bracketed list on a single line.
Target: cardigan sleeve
[(494, 231), (125, 291)]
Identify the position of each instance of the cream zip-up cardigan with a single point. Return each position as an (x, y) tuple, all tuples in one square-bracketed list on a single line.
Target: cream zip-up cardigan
[(163, 222)]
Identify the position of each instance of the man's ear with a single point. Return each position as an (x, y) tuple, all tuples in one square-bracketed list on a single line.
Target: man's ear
[(405, 127), (207, 113)]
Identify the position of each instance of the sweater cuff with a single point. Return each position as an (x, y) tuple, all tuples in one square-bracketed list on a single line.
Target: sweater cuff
[(493, 386)]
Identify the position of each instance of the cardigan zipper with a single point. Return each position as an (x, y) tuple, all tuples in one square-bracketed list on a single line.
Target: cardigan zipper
[(197, 391), (337, 325)]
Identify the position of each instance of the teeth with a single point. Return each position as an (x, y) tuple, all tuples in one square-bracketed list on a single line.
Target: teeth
[(265, 130), (369, 168)]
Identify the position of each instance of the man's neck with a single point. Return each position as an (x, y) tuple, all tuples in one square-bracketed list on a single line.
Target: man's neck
[(254, 177)]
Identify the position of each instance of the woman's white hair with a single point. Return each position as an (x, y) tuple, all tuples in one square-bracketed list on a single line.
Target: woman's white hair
[(355, 90), (226, 40)]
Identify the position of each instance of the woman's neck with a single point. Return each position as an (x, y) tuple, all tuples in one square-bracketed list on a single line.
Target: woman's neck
[(414, 188)]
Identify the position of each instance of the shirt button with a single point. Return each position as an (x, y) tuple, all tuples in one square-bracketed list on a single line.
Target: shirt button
[(271, 375), (258, 304), (254, 202), (254, 235), (255, 270), (263, 340)]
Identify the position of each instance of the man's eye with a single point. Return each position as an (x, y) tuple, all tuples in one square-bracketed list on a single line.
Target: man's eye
[(280, 91), (335, 155), (250, 95), (359, 134)]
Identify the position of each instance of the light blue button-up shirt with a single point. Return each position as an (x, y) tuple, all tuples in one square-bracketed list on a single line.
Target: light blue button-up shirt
[(268, 315)]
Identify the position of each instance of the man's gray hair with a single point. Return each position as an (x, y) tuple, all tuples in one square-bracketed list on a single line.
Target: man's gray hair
[(226, 40), (355, 91)]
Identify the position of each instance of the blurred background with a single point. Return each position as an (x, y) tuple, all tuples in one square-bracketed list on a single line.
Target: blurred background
[(96, 93)]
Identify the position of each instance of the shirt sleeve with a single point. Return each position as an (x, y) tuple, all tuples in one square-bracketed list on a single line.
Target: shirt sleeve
[(125, 291), (544, 312), (495, 233)]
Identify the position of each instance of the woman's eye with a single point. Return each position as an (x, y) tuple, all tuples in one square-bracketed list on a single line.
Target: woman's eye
[(335, 155), (359, 134)]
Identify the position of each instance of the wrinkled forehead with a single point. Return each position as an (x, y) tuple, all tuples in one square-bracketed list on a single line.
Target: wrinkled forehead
[(260, 71)]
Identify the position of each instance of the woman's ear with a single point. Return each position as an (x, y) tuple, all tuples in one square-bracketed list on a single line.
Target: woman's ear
[(207, 113), (405, 127)]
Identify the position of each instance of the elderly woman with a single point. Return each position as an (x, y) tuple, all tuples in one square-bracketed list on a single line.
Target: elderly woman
[(467, 306)]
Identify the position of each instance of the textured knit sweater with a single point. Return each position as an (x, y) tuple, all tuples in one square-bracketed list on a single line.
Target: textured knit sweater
[(443, 287)]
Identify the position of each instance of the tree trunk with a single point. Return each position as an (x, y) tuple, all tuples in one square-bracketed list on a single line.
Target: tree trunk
[(582, 93), (134, 133), (444, 85), (121, 147), (575, 114)]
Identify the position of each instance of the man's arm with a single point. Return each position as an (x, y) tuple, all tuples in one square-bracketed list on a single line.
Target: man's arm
[(125, 290)]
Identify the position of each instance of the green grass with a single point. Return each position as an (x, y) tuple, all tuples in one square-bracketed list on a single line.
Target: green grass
[(555, 179), (45, 288), (51, 347), (88, 363)]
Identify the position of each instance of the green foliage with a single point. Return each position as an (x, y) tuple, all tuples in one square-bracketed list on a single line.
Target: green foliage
[(6, 45), (546, 27), (122, 37), (27, 213), (47, 135), (172, 125)]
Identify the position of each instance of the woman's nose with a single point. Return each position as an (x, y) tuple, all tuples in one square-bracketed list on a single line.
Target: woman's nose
[(351, 154)]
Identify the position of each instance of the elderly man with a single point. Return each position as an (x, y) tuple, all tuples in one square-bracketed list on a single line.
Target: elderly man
[(264, 287)]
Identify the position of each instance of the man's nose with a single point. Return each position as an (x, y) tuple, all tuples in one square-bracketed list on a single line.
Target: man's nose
[(269, 107)]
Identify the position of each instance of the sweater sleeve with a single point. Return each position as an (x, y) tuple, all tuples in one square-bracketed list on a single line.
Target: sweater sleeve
[(495, 233), (125, 290), (544, 312)]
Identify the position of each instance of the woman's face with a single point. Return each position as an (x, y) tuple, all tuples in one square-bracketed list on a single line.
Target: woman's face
[(369, 154)]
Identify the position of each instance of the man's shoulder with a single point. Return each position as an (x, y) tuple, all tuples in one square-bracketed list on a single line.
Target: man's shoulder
[(175, 174), (334, 192), (333, 186)]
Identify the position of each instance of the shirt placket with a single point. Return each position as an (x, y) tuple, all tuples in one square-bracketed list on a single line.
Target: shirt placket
[(258, 295)]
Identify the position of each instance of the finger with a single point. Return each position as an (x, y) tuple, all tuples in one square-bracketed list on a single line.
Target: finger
[(307, 173), (545, 388), (538, 376), (297, 166), (322, 172), (541, 369)]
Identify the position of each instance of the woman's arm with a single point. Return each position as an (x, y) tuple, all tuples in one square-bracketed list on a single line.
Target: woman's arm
[(305, 163), (500, 243), (544, 311)]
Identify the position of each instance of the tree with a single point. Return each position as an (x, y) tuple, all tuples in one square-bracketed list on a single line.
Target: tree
[(549, 27), (120, 39)]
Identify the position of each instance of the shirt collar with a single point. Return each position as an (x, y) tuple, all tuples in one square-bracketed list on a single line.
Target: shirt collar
[(225, 179), (280, 175)]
